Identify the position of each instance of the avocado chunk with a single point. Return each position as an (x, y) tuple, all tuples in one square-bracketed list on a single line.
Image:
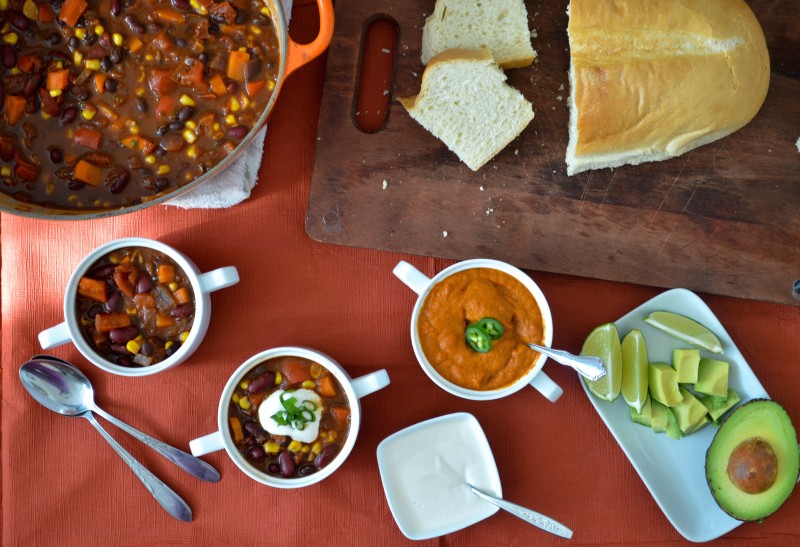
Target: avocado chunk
[(659, 416), (673, 429), (753, 462), (690, 413), (686, 363), (663, 382), (644, 417), (712, 377), (717, 406)]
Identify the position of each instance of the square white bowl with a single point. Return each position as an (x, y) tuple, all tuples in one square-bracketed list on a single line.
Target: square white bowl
[(424, 469)]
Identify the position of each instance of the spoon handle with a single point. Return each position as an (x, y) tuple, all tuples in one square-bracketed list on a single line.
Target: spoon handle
[(591, 367), (168, 499), (192, 465), (532, 517)]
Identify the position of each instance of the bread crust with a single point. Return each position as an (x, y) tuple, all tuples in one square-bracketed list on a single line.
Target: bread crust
[(652, 79)]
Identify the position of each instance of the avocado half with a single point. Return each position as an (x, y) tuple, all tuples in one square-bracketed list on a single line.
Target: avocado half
[(753, 462)]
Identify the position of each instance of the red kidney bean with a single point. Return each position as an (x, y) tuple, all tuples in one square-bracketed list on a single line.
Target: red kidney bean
[(286, 462), (120, 349), (252, 427), (256, 453), (8, 57), (114, 302), (116, 7), (183, 310), (145, 284), (18, 19), (31, 85), (326, 456), (135, 25), (68, 115), (237, 132), (119, 182), (123, 335), (307, 470), (273, 468), (182, 4), (56, 154), (260, 383), (125, 361)]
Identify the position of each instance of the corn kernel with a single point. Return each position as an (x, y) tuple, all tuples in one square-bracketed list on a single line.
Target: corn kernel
[(169, 344), (230, 119), (116, 38), (294, 446), (45, 115), (73, 197), (184, 336), (131, 311), (191, 124), (189, 136), (134, 130), (255, 30), (133, 346), (89, 111), (306, 449), (271, 85), (271, 447), (309, 384), (93, 64), (186, 100), (235, 398), (80, 33), (191, 151), (77, 57), (5, 171), (55, 92), (99, 29), (139, 339), (140, 92), (10, 38), (216, 126), (235, 104), (332, 435), (245, 101), (244, 403), (3, 4), (278, 378), (316, 448), (163, 170), (315, 369), (150, 159), (243, 49), (15, 71), (265, 11), (244, 383), (30, 9), (172, 286)]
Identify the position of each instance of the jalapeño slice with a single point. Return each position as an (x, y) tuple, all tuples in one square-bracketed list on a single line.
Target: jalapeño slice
[(478, 339), (492, 327)]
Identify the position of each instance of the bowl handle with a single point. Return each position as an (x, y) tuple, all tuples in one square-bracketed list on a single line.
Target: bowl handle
[(299, 54)]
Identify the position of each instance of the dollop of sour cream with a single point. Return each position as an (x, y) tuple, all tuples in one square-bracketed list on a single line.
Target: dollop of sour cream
[(272, 405)]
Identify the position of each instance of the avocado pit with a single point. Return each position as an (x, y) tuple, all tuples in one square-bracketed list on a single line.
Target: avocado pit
[(753, 466)]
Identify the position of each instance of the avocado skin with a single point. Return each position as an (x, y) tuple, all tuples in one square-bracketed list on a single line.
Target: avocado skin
[(787, 452)]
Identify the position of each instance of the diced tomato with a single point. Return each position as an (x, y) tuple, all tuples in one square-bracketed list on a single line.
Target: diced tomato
[(161, 81), (89, 137)]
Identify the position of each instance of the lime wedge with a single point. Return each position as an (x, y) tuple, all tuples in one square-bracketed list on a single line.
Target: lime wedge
[(603, 342), (634, 370), (683, 328)]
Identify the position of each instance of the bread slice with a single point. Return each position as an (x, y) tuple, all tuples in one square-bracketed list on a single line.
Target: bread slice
[(500, 25), (465, 102), (653, 79)]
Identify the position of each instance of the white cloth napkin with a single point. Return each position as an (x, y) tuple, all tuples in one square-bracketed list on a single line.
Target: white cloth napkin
[(234, 184)]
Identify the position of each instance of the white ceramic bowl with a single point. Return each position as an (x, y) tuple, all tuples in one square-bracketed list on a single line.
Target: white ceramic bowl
[(422, 285), (354, 389), (203, 284)]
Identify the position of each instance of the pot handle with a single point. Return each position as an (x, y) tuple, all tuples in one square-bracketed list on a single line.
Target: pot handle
[(298, 55)]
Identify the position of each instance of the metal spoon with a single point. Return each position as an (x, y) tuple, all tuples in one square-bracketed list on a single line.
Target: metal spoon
[(532, 517), (591, 367)]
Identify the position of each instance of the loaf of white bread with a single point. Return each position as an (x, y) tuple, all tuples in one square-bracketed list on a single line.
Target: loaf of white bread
[(466, 103), (500, 25), (652, 79)]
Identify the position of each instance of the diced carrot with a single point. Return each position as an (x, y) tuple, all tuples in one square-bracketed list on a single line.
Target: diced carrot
[(58, 79), (100, 82), (46, 14), (218, 85), (164, 320), (256, 398), (340, 415), (205, 3), (29, 63), (135, 44), (88, 173), (166, 273), (295, 372), (72, 10), (163, 42), (166, 105), (15, 107), (145, 301), (326, 387), (89, 137), (93, 288), (254, 87), (236, 428), (135, 142), (106, 322), (236, 63), (182, 295), (169, 16)]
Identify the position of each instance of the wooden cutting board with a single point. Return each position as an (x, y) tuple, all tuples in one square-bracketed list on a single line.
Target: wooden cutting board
[(722, 219)]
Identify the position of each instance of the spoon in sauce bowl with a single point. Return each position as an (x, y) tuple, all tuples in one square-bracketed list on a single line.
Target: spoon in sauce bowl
[(531, 517), (588, 366)]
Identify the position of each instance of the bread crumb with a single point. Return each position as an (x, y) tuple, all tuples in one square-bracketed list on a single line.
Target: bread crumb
[(534, 33), (561, 87), (481, 188), (489, 211), (797, 144), (385, 184), (444, 233), (386, 50), (516, 152), (386, 92), (557, 98)]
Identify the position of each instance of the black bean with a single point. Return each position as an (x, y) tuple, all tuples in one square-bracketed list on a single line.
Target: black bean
[(286, 462), (135, 25), (92, 312), (90, 39), (106, 64), (119, 182), (8, 57), (104, 40), (203, 57), (75, 185), (123, 335), (238, 132), (114, 302), (145, 284), (52, 39), (241, 17), (185, 113), (73, 43), (172, 142), (32, 85), (141, 104), (56, 154), (101, 272), (110, 85), (59, 56), (116, 7), (326, 456), (155, 27), (68, 115), (173, 348), (273, 468), (251, 69), (125, 361), (184, 310), (116, 54), (161, 183), (306, 470), (18, 19), (176, 125), (118, 348), (161, 130), (261, 383), (180, 42), (146, 349)]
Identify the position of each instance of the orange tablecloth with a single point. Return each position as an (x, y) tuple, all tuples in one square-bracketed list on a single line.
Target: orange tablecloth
[(63, 485)]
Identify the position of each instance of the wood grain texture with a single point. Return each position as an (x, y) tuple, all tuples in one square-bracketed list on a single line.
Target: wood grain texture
[(722, 219)]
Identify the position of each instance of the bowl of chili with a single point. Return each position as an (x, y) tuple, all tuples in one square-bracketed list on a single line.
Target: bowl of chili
[(136, 307), (288, 417), (110, 106)]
